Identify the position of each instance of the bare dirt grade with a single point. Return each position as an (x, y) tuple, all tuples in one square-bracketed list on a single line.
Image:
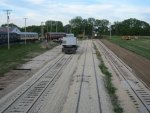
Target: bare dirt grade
[(139, 64)]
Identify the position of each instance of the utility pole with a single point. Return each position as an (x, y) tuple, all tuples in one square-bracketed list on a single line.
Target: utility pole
[(70, 28), (92, 29), (25, 30), (56, 26), (8, 12), (42, 30), (47, 27), (67, 29), (110, 30), (51, 31), (84, 32)]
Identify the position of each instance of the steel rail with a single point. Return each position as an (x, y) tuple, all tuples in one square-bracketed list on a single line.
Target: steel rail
[(50, 67)]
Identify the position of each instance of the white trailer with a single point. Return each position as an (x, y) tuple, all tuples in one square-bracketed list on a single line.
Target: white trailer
[(69, 44)]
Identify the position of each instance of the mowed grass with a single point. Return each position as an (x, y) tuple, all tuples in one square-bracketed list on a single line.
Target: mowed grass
[(18, 54), (139, 46)]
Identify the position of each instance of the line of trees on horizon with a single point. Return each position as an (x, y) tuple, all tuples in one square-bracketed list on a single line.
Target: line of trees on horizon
[(87, 27)]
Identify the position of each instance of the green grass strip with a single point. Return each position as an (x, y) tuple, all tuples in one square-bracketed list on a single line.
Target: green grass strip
[(139, 46), (108, 83), (19, 54)]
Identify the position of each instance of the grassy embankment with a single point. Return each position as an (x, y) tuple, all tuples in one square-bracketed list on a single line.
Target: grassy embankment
[(18, 54), (139, 46), (108, 83)]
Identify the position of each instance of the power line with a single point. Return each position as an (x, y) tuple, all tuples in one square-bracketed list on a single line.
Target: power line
[(8, 12)]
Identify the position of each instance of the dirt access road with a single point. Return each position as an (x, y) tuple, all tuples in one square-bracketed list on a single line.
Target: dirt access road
[(65, 84), (139, 64)]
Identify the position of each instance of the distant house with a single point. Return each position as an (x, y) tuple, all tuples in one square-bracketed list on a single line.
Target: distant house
[(13, 34), (16, 35)]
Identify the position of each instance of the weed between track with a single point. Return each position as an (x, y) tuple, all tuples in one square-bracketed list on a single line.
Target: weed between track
[(108, 83)]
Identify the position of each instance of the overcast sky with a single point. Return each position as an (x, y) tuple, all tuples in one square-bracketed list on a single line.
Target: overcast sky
[(64, 10)]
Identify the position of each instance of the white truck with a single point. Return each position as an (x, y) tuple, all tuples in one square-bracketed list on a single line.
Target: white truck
[(69, 44)]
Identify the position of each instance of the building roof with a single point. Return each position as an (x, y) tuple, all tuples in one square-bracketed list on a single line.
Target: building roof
[(14, 30), (11, 30)]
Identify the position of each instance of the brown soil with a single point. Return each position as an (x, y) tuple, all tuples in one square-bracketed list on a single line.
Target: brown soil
[(139, 64)]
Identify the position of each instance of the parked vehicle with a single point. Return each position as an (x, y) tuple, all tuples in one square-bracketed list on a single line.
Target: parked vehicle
[(69, 44), (29, 36), (54, 35)]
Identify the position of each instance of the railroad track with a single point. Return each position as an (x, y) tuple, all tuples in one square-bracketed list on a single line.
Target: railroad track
[(80, 89), (97, 87), (138, 92), (82, 80), (26, 99)]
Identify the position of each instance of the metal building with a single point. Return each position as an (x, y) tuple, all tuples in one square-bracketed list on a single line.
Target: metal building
[(16, 35)]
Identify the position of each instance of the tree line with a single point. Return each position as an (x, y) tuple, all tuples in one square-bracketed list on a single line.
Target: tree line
[(90, 26)]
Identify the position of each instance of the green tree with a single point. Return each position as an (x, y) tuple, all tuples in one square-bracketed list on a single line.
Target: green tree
[(53, 26), (102, 26), (76, 25), (10, 25), (90, 26), (131, 26), (67, 28), (32, 28)]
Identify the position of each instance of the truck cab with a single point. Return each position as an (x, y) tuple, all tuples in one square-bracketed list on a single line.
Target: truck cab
[(69, 44)]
